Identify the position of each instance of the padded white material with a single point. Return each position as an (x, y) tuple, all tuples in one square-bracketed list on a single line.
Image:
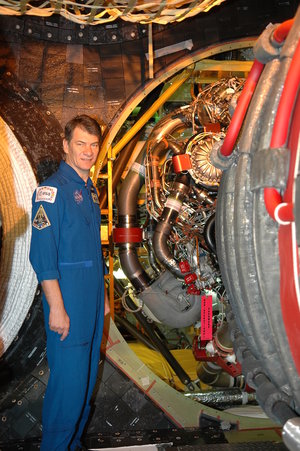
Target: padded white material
[(18, 281)]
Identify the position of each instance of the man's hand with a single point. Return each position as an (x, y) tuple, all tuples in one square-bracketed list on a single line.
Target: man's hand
[(59, 321), (106, 302)]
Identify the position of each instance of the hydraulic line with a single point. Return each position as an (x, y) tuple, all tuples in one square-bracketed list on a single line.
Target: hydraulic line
[(241, 109), (286, 103), (134, 332), (221, 399), (282, 31), (279, 36), (283, 212)]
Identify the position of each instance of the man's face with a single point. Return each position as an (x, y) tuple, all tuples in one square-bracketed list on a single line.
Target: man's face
[(81, 152)]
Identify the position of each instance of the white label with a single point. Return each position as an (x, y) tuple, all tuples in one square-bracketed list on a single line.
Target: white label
[(46, 194)]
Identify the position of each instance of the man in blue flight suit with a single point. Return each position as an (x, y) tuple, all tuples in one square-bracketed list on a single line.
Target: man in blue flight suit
[(67, 258)]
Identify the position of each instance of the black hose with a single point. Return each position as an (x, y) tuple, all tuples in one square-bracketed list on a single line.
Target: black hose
[(158, 344), (134, 332)]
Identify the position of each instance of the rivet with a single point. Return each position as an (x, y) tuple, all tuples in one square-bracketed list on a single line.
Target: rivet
[(48, 112), (19, 402), (132, 34), (69, 38), (114, 37), (49, 35), (29, 31), (41, 372), (12, 127), (18, 27), (35, 98), (26, 89), (25, 148), (3, 419), (8, 74), (80, 34), (95, 38), (82, 27)]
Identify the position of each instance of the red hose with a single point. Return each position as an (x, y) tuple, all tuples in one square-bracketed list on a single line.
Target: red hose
[(286, 103), (241, 109), (279, 36), (282, 31), (280, 131), (272, 200)]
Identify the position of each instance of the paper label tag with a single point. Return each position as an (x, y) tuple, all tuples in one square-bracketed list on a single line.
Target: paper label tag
[(206, 317)]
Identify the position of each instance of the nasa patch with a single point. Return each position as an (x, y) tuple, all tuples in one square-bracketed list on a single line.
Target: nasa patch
[(41, 220), (46, 194), (95, 198), (94, 195), (78, 197)]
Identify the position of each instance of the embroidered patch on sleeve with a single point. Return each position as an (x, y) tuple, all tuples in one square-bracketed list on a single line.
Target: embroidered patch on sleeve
[(41, 220), (46, 194)]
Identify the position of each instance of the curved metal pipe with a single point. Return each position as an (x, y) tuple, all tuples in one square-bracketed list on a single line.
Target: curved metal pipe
[(124, 156), (127, 205), (160, 142), (163, 229), (165, 297)]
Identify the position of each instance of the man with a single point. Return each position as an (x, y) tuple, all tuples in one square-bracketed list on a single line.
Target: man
[(67, 258)]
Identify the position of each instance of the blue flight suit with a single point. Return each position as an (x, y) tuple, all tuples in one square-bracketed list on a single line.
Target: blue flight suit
[(66, 245)]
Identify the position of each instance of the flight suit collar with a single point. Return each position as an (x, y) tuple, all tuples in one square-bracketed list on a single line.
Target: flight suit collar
[(71, 174)]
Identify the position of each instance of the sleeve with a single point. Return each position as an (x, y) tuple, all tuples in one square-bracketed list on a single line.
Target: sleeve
[(46, 218)]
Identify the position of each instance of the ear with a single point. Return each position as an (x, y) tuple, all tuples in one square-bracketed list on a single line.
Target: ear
[(65, 146)]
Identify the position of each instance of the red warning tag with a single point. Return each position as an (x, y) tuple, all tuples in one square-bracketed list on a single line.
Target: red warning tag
[(206, 317)]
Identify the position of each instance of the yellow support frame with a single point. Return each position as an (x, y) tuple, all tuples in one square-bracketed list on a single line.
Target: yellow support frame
[(109, 242)]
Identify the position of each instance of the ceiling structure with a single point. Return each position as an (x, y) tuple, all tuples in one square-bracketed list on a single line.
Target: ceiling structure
[(94, 12)]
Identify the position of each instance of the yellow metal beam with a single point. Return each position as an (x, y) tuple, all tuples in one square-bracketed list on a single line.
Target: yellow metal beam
[(223, 65), (176, 82)]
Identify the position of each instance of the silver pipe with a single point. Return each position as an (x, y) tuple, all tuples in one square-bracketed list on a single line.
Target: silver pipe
[(223, 398), (163, 229), (291, 434)]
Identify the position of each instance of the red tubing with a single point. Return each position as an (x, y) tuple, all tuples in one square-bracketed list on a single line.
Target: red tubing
[(282, 31), (280, 132), (279, 36), (286, 103), (272, 200), (241, 109)]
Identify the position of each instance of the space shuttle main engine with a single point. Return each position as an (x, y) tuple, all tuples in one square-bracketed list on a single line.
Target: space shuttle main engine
[(257, 224), (180, 196)]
